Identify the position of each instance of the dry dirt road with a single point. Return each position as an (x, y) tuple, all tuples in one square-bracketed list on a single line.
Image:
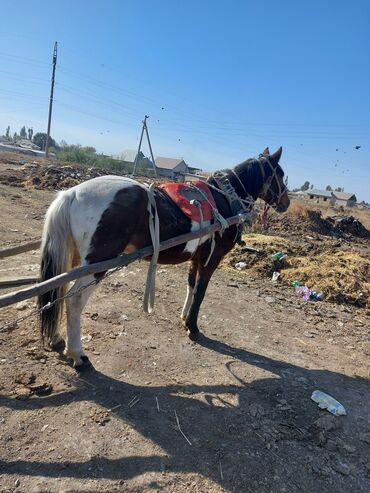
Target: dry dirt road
[(157, 412)]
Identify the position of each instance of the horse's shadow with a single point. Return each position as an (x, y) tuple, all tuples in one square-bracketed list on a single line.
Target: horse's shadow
[(246, 436)]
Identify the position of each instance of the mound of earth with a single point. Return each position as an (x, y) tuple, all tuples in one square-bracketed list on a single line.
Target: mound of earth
[(45, 176), (349, 225), (313, 222)]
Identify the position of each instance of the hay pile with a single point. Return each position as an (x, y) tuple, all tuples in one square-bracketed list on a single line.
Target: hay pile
[(343, 276)]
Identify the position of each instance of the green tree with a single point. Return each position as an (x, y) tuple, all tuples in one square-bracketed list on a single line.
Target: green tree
[(328, 188), (23, 132), (30, 133), (7, 132), (305, 186), (15, 136), (339, 189), (40, 140)]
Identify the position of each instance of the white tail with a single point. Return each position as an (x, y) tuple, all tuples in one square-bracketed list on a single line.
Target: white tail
[(56, 251)]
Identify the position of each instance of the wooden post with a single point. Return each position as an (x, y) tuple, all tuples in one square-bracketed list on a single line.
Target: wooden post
[(26, 247), (120, 261)]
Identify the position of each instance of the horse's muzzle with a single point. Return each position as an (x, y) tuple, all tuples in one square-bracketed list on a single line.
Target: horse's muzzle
[(283, 204)]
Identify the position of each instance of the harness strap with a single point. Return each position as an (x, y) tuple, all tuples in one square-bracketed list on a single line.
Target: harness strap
[(217, 216), (149, 294)]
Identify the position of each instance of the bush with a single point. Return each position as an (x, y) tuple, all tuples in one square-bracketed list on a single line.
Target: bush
[(87, 156)]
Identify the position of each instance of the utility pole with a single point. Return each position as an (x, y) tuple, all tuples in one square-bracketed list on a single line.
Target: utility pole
[(144, 128), (51, 98)]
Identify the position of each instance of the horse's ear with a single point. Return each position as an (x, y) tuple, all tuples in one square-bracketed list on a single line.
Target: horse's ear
[(266, 152), (275, 158)]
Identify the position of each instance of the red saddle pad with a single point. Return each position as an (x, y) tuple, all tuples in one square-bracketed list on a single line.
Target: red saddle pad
[(182, 194)]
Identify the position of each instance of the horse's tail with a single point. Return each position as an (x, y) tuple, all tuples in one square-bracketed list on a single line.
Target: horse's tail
[(56, 250)]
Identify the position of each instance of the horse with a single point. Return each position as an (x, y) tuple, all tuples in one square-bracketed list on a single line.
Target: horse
[(104, 217)]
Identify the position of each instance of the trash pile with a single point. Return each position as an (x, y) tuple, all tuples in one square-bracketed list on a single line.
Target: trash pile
[(349, 225), (324, 268), (56, 177)]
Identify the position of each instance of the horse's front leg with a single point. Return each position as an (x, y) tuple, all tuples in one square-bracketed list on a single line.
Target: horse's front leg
[(192, 277), (203, 278)]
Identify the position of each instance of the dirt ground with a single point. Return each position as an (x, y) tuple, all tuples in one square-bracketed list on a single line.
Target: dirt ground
[(157, 412)]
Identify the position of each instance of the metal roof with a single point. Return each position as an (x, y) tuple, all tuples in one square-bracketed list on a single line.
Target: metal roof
[(320, 193), (167, 162), (344, 195)]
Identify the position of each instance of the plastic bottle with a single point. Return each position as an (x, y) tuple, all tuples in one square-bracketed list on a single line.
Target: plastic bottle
[(296, 282), (278, 256), (240, 265), (316, 296), (325, 401)]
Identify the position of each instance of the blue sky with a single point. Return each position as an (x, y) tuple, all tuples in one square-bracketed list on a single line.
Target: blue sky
[(220, 80)]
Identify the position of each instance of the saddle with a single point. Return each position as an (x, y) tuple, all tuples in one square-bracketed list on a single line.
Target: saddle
[(191, 199)]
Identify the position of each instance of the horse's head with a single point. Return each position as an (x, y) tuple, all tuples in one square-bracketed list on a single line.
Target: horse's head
[(274, 191)]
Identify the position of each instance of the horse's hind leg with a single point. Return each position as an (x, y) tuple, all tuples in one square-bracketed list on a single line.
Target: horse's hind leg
[(203, 278), (75, 305), (192, 276)]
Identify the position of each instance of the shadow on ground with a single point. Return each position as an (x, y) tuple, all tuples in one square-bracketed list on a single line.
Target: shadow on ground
[(261, 435)]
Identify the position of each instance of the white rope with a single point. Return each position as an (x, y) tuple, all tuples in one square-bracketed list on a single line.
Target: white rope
[(149, 294)]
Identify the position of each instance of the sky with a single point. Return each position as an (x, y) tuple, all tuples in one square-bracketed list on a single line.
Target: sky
[(220, 80)]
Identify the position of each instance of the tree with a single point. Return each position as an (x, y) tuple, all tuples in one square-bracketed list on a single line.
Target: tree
[(7, 132), (40, 140), (311, 186), (305, 186), (328, 188), (339, 189), (286, 179), (23, 132), (30, 133), (15, 136)]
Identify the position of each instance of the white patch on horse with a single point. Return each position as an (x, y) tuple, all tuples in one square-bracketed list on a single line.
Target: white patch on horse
[(188, 302), (192, 245), (91, 199)]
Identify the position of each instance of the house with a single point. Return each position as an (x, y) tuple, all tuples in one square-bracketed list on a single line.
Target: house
[(319, 196), (170, 167), (343, 199)]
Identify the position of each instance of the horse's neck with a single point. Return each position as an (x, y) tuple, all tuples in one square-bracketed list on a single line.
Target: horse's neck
[(250, 176)]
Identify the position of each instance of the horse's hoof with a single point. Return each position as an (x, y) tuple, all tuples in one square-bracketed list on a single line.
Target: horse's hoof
[(58, 345), (193, 334), (84, 365)]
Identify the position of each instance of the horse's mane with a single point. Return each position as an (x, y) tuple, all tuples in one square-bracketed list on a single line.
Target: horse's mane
[(249, 173)]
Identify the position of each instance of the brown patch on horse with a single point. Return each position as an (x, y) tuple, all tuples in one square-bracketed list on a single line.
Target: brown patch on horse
[(124, 226), (76, 259)]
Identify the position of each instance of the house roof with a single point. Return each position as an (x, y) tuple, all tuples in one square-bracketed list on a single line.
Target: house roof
[(320, 193), (344, 195), (167, 162)]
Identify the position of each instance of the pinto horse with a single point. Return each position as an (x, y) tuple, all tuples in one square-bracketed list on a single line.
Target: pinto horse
[(107, 216)]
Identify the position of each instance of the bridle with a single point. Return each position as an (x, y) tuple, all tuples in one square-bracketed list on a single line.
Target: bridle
[(238, 204), (267, 182)]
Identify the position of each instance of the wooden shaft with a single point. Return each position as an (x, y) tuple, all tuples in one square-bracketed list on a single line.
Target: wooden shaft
[(26, 247), (120, 261)]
